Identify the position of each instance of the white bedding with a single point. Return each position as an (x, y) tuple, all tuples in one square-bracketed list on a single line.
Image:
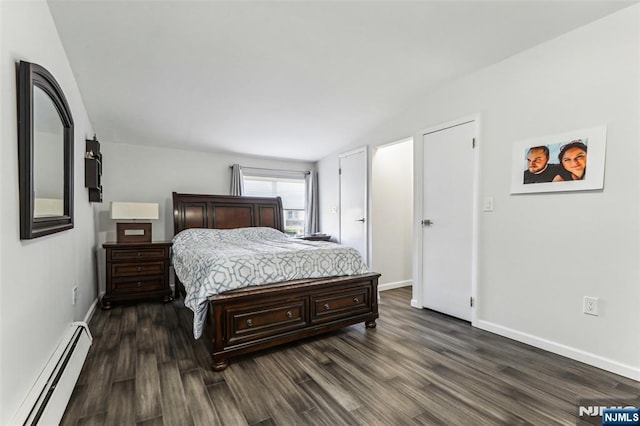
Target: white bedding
[(211, 261)]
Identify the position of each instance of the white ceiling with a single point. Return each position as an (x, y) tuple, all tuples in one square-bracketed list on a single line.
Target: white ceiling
[(298, 79)]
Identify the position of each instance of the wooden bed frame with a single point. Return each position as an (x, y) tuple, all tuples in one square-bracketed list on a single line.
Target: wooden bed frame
[(253, 318)]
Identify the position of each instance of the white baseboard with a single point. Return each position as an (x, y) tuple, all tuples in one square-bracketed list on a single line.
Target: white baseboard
[(91, 311), (560, 349), (397, 284)]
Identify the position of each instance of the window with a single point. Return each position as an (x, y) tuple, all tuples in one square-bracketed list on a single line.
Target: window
[(291, 189)]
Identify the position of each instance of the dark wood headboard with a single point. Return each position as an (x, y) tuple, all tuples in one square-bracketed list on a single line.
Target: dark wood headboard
[(225, 212)]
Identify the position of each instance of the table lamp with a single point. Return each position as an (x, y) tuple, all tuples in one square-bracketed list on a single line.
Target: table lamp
[(134, 232)]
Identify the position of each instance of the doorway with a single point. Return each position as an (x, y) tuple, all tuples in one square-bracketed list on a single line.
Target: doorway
[(392, 213)]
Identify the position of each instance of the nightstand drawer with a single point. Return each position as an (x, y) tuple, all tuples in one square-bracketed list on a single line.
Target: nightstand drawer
[(132, 269), (122, 285), (343, 303), (138, 254)]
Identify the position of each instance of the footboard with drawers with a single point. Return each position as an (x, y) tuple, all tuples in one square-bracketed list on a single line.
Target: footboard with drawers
[(250, 319)]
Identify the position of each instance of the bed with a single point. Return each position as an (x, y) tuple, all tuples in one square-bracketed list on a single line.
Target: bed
[(243, 320)]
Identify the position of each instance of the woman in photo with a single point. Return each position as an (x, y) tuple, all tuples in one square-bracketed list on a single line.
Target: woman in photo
[(573, 158)]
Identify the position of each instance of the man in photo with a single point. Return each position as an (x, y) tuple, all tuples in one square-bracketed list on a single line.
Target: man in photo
[(538, 168)]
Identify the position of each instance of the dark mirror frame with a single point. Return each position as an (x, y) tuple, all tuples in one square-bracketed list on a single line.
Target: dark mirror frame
[(30, 75)]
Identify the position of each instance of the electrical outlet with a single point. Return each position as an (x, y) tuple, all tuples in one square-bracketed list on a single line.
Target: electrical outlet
[(74, 295), (590, 305)]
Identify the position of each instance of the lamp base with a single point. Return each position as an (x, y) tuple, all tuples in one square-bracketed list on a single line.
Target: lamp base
[(133, 232)]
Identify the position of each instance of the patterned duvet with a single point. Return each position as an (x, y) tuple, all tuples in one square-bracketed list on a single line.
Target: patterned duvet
[(211, 261)]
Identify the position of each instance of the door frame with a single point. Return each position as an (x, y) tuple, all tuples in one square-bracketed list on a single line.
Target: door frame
[(363, 149), (418, 214)]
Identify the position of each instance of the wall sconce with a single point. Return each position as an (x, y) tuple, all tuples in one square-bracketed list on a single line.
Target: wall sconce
[(134, 232)]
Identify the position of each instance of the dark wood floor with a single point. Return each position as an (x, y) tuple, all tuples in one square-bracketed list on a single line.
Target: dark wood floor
[(416, 367)]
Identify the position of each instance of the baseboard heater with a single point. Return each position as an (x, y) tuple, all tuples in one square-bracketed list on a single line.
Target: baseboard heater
[(48, 399)]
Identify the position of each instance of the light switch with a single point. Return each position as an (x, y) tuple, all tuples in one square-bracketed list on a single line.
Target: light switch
[(487, 205)]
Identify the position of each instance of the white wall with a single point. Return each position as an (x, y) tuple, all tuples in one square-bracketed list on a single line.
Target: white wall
[(540, 254), (36, 276), (2, 334), (392, 213), (146, 174)]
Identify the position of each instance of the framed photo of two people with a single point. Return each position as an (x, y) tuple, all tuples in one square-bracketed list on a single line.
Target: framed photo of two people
[(572, 161)]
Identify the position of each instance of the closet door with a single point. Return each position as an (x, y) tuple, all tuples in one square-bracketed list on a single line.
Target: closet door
[(447, 223), (353, 201)]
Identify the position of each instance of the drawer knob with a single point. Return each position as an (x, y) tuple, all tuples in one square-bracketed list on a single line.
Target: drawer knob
[(326, 307), (139, 268), (356, 300), (139, 254), (249, 323), (139, 284), (289, 314)]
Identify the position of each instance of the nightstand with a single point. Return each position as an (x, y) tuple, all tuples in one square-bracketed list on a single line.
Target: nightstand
[(137, 271), (315, 237)]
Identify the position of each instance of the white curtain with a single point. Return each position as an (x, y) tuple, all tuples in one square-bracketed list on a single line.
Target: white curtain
[(237, 182), (312, 217)]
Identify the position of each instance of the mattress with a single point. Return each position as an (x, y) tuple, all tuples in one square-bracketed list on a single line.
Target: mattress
[(212, 261)]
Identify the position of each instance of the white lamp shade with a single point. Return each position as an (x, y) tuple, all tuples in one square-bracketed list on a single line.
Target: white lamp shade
[(120, 210)]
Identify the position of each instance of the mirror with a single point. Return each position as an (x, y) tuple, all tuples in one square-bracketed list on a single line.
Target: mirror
[(45, 151), (48, 160)]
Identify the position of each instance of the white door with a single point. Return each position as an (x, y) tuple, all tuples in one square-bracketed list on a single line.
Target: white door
[(353, 200), (447, 221)]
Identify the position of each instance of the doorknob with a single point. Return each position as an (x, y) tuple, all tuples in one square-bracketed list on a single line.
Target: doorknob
[(360, 220), (426, 222)]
